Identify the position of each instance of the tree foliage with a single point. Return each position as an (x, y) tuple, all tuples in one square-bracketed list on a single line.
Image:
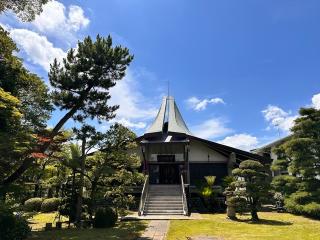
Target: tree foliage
[(250, 186), (25, 9), (115, 168), (25, 108), (300, 158), (81, 87)]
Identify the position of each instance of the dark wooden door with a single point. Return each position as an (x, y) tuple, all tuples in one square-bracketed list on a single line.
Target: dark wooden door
[(169, 174)]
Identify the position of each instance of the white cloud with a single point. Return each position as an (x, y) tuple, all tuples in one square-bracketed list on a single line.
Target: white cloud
[(133, 104), (211, 128), (278, 118), (127, 123), (199, 105), (56, 24), (135, 110), (56, 18), (38, 49), (316, 101), (242, 141)]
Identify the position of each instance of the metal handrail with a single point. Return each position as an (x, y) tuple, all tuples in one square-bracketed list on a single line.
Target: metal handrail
[(143, 195), (184, 198)]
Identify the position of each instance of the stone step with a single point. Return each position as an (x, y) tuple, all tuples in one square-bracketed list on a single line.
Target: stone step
[(164, 185), (165, 190), (168, 200), (164, 203), (156, 195), (164, 196), (163, 212), (161, 195), (164, 200), (165, 193), (147, 208)]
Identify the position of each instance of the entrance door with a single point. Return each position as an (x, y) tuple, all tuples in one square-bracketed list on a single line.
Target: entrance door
[(169, 174)]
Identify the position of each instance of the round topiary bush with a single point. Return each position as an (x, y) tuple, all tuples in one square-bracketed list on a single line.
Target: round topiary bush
[(50, 204), (13, 227), (33, 204), (104, 218), (312, 210)]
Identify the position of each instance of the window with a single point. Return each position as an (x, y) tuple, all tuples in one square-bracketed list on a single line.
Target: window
[(166, 158)]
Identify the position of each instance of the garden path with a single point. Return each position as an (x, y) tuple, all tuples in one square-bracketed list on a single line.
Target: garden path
[(156, 230)]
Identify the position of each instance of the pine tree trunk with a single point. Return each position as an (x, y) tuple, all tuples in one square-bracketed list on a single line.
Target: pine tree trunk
[(81, 183), (254, 215)]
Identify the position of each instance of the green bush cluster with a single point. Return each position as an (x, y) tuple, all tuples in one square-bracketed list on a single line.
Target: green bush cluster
[(239, 203), (105, 217), (303, 203), (50, 204), (33, 204), (12, 227)]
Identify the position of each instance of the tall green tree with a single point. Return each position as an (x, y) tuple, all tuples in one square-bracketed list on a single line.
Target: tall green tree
[(18, 138), (251, 185), (31, 91), (114, 169), (89, 138), (81, 87), (123, 163), (300, 158), (25, 9)]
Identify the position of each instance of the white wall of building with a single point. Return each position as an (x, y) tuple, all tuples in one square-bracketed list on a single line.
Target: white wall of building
[(199, 152)]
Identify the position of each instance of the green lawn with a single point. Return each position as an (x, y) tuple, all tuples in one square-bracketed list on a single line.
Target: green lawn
[(275, 226), (123, 230), (38, 221)]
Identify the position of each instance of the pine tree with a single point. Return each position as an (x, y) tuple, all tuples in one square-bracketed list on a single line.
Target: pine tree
[(300, 157), (251, 185), (81, 86), (25, 9)]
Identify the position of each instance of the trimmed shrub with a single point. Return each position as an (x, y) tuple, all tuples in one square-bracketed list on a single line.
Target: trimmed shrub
[(12, 227), (285, 184), (293, 207), (312, 210), (300, 197), (50, 204), (105, 217), (33, 204), (239, 203)]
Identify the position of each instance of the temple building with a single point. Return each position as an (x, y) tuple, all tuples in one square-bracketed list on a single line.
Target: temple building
[(172, 155)]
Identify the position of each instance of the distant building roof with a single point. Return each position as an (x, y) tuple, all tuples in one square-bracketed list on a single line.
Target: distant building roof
[(275, 143)]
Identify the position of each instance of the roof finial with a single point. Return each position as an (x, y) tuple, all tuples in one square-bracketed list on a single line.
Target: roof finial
[(168, 88)]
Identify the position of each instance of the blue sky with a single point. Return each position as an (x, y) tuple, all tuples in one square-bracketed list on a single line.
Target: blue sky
[(239, 70)]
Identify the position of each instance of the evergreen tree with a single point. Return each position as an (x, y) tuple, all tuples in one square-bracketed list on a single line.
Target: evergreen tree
[(300, 157), (25, 9), (19, 136), (251, 185), (114, 169), (81, 87), (89, 138)]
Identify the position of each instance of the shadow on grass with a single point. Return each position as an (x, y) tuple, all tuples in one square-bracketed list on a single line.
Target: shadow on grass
[(265, 222), (123, 230)]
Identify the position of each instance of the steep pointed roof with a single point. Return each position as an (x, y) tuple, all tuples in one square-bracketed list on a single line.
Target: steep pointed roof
[(169, 114)]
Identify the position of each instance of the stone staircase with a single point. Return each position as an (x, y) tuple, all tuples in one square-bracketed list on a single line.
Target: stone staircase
[(164, 200)]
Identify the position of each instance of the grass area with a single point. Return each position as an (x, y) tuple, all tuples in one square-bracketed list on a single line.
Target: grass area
[(280, 226), (123, 230), (39, 220)]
